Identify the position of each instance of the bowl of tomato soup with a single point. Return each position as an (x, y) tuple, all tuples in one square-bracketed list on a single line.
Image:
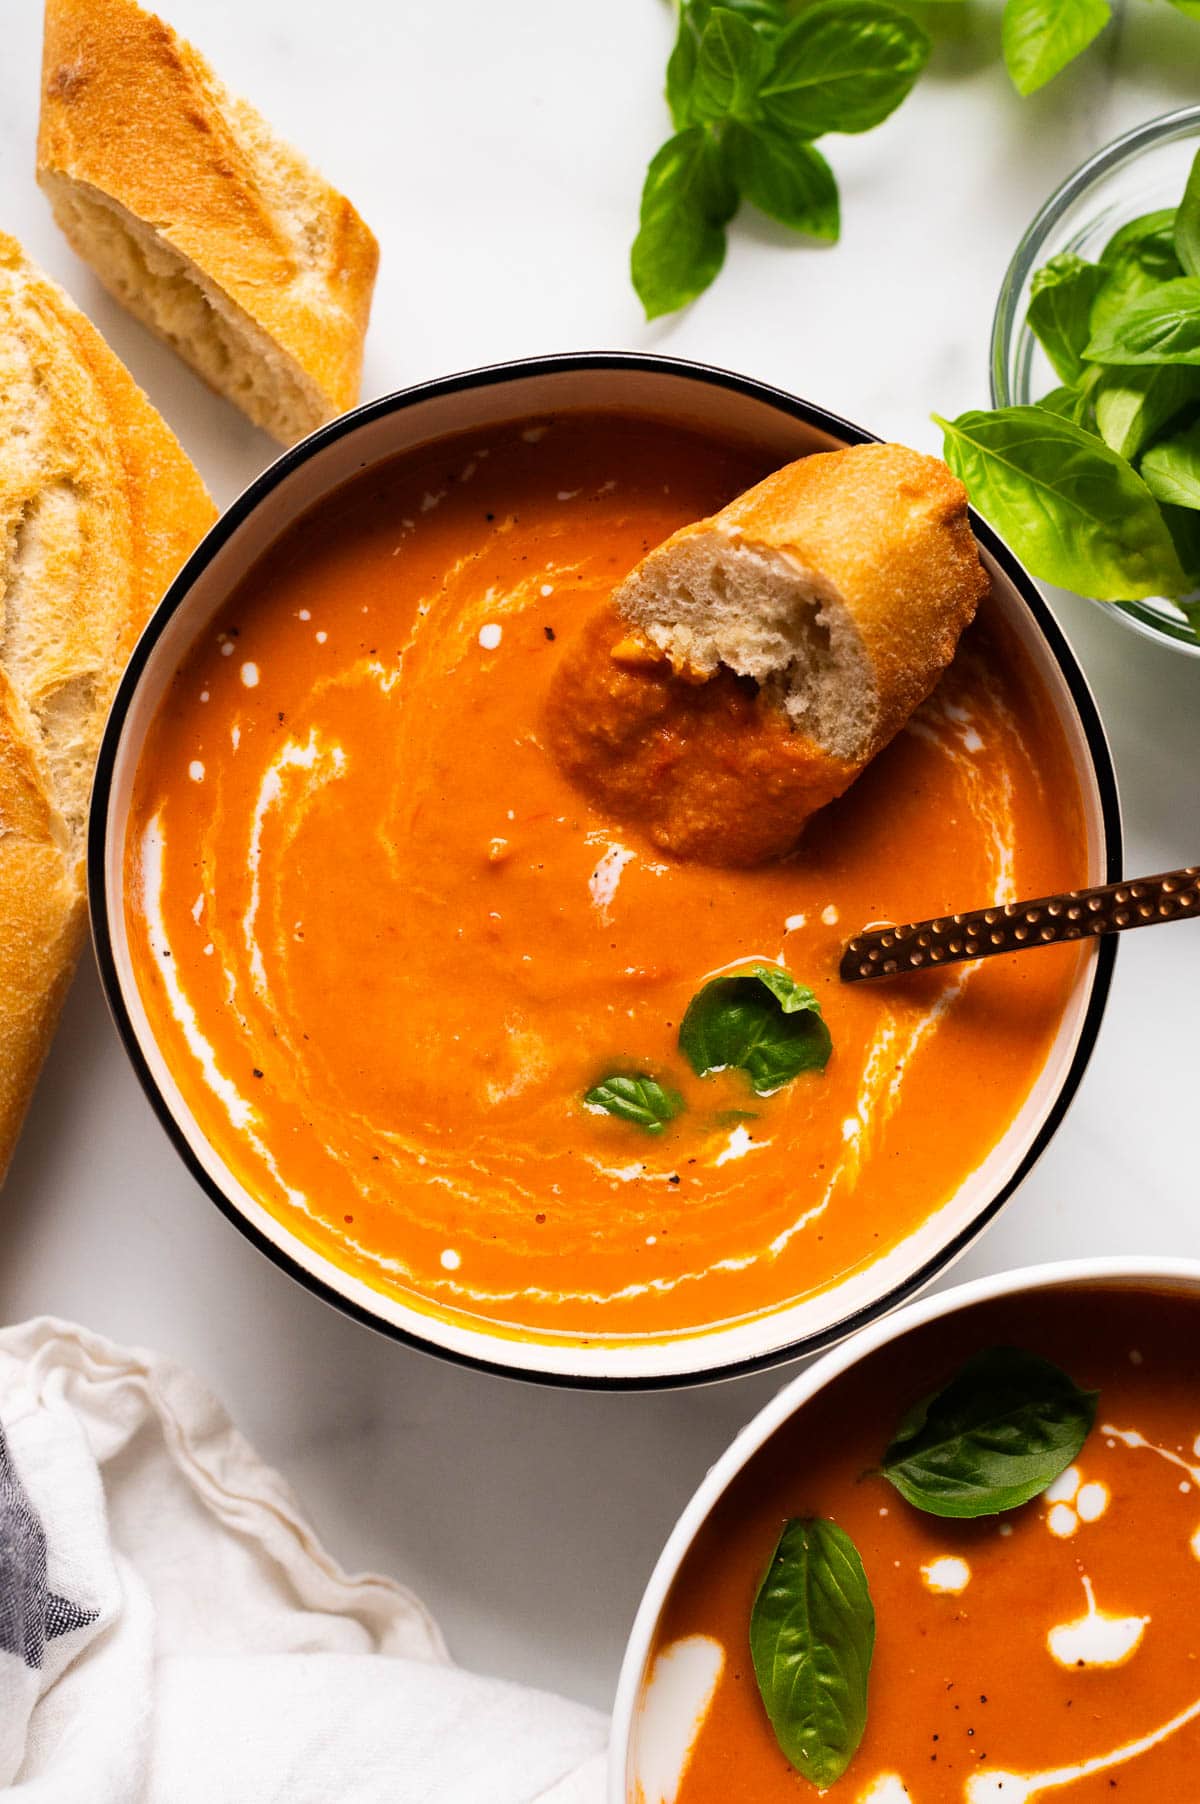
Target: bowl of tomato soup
[(379, 964), (953, 1562)]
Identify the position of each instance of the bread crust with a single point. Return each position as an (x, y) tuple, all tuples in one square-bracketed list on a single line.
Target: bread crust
[(886, 530), (135, 120), (99, 506)]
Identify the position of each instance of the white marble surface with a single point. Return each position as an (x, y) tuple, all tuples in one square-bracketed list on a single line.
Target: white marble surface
[(498, 152)]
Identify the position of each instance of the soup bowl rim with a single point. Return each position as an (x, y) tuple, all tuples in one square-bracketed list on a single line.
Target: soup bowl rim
[(1100, 1272), (494, 1351)]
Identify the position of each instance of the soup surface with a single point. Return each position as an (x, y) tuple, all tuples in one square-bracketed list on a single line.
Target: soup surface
[(389, 948), (1051, 1651)]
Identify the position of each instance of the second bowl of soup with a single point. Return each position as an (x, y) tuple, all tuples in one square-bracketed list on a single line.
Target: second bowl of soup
[(954, 1562), (374, 954)]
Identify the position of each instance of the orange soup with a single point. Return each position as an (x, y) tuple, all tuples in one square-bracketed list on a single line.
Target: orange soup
[(389, 950), (1049, 1651)]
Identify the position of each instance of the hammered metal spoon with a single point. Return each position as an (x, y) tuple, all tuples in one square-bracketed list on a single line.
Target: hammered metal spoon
[(1077, 914)]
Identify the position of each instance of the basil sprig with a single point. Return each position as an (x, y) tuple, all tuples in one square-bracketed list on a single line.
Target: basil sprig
[(749, 88), (636, 1098), (1003, 1429), (812, 1634), (760, 1021), (1097, 487)]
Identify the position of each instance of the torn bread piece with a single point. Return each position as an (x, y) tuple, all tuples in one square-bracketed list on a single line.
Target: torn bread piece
[(776, 649), (99, 507), (199, 220)]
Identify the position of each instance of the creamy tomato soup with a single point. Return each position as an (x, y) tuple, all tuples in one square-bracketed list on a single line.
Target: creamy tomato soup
[(388, 947), (1049, 1652)]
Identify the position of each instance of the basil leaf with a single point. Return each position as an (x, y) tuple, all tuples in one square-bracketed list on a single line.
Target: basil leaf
[(1143, 264), (637, 1098), (1069, 403), (1040, 37), (730, 64), (766, 16), (681, 73), (1157, 228), (1133, 405), (1075, 512), (1183, 524), (785, 178), (842, 66), (1007, 1424), (1187, 223), (1171, 470), (1191, 8), (1162, 326), (760, 1021), (687, 200), (812, 1634), (1060, 311)]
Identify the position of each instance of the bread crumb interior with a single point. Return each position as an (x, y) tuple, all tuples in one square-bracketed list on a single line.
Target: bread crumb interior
[(208, 330), (712, 600)]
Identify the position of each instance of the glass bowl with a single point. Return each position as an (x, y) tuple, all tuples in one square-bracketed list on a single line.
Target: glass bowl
[(1138, 173)]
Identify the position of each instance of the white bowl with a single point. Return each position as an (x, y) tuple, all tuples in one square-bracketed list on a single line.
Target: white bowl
[(651, 1739), (713, 401)]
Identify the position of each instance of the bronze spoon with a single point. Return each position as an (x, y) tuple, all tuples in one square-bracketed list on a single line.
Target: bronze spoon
[(887, 951)]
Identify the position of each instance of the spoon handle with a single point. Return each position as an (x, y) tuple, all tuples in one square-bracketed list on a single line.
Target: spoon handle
[(1077, 914)]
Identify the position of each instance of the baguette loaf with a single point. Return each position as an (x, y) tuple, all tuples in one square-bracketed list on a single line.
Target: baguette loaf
[(807, 619), (98, 509), (199, 220)]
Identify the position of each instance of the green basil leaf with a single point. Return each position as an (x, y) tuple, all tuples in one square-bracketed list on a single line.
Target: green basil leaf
[(766, 16), (1187, 223), (1133, 405), (1190, 8), (632, 1096), (842, 66), (1162, 326), (1069, 403), (1072, 510), (1143, 263), (1151, 229), (1007, 1424), (1040, 37), (760, 1021), (681, 73), (785, 178), (812, 1634), (730, 64), (1060, 311), (687, 200), (1171, 469), (1183, 524)]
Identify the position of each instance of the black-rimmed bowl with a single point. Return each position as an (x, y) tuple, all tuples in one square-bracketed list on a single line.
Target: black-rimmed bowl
[(721, 404)]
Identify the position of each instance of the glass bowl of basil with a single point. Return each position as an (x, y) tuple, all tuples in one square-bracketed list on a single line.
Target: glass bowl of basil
[(1089, 463)]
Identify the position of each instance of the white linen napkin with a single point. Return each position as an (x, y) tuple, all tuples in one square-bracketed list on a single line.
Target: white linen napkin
[(172, 1632)]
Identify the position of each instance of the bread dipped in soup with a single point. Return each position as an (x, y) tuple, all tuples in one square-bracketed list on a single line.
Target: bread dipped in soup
[(751, 667)]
